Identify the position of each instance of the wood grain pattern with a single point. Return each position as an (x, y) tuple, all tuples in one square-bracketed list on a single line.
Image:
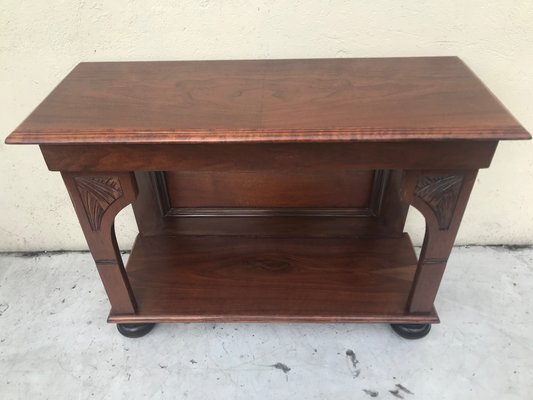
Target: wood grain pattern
[(441, 198), (264, 189), (271, 157), (97, 199), (179, 279), (267, 135), (270, 193), (151, 219), (320, 100)]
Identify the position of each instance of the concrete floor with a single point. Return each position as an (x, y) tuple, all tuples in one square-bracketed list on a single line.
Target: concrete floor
[(55, 343)]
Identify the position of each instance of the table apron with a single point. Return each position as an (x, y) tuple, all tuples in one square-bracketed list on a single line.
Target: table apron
[(269, 156)]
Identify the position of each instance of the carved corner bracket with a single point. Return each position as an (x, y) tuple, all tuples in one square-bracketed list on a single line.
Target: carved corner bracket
[(97, 193), (440, 193)]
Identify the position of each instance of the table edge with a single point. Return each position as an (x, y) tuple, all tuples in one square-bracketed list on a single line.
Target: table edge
[(356, 134)]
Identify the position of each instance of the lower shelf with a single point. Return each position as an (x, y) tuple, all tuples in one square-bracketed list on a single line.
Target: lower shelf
[(245, 279)]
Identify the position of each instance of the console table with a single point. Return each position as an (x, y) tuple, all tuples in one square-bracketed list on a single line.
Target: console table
[(271, 190)]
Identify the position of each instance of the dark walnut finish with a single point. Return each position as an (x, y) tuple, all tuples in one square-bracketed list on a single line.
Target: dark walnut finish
[(331, 100), (271, 190), (201, 278)]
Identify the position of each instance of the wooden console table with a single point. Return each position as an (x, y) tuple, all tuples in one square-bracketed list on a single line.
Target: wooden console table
[(271, 190)]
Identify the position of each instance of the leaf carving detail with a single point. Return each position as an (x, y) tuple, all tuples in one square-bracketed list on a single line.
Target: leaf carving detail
[(440, 193), (97, 194)]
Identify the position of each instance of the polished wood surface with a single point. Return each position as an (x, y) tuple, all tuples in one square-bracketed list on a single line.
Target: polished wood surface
[(268, 156), (384, 216), (97, 199), (272, 190), (314, 100), (269, 189), (441, 197), (180, 279)]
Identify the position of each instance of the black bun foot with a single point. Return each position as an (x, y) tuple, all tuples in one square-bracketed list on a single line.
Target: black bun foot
[(411, 331), (134, 330)]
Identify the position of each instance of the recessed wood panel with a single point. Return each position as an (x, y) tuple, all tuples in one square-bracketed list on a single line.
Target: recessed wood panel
[(276, 192), (269, 189), (156, 217)]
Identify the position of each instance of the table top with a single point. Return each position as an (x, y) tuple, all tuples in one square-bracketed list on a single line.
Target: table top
[(311, 100)]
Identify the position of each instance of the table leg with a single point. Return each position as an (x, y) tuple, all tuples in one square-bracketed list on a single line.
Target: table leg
[(97, 199), (441, 197)]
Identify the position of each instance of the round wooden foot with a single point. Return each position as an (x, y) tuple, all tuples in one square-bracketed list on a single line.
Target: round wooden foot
[(411, 331), (134, 330)]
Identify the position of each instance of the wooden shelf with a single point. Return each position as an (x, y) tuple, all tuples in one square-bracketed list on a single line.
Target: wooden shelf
[(246, 279)]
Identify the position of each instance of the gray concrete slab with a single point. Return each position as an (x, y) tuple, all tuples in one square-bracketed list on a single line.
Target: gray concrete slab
[(55, 343)]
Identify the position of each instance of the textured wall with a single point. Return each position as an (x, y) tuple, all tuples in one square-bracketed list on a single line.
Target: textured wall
[(41, 41)]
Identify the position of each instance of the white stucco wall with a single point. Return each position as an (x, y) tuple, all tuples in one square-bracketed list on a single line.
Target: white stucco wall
[(41, 41)]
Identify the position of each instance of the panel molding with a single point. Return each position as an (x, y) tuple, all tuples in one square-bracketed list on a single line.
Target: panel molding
[(376, 198)]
